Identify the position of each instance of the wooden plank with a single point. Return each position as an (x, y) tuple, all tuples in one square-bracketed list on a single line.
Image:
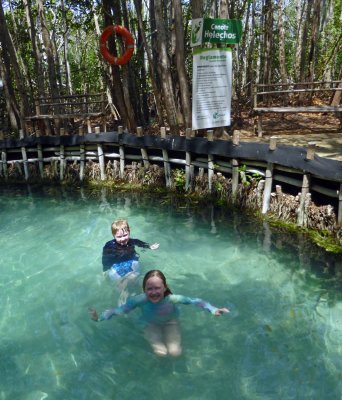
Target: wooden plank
[(310, 109), (281, 91), (295, 84), (63, 116)]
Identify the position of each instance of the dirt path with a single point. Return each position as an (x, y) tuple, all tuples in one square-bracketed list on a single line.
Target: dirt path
[(298, 130)]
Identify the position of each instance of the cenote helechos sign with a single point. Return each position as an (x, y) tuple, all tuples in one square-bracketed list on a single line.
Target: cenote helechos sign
[(209, 30)]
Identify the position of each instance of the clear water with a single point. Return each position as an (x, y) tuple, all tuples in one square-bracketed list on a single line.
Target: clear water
[(282, 340)]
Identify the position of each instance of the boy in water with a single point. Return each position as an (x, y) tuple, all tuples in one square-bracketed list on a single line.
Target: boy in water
[(119, 258)]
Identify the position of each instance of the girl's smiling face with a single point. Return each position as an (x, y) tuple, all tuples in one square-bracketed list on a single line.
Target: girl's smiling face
[(154, 289), (122, 237)]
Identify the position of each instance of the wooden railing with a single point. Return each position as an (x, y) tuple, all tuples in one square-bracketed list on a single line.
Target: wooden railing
[(293, 98), (112, 151), (62, 108)]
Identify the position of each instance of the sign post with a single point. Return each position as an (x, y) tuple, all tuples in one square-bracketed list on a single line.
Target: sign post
[(209, 30), (212, 87), (212, 71)]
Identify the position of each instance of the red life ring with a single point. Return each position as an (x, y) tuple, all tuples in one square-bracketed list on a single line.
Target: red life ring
[(128, 40)]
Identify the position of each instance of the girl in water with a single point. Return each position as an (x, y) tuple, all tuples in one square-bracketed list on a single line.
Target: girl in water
[(159, 313)]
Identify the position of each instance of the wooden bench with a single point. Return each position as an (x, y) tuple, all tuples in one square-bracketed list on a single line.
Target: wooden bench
[(67, 108), (259, 111)]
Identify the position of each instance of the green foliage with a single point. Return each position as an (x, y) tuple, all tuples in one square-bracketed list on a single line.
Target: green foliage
[(178, 176), (247, 177)]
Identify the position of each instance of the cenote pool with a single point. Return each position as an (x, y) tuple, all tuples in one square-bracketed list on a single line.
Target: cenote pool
[(282, 339)]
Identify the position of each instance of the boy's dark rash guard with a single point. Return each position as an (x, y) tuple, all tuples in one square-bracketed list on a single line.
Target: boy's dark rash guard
[(114, 253)]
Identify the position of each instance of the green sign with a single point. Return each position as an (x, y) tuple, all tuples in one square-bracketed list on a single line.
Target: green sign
[(209, 30)]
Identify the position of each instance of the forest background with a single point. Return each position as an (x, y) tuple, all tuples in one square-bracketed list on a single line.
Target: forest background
[(51, 48)]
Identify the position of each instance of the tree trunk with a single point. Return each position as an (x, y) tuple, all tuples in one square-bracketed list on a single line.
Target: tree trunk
[(180, 63), (268, 42), (67, 71), (314, 40), (49, 49), (250, 75), (12, 106), (164, 64), (129, 90), (151, 66), (197, 8), (37, 55), (303, 61), (113, 79), (300, 23), (10, 62), (282, 56)]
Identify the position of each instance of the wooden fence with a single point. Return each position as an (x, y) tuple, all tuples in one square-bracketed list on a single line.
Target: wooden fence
[(296, 167), (293, 98), (52, 112)]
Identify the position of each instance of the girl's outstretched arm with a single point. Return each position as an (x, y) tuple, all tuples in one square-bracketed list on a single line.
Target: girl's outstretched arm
[(180, 299), (126, 308), (221, 311), (104, 315), (93, 314)]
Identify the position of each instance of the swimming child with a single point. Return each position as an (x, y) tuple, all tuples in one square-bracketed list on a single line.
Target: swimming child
[(159, 313), (119, 257)]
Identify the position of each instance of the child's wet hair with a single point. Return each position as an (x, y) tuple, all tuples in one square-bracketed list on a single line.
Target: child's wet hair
[(159, 274), (120, 224)]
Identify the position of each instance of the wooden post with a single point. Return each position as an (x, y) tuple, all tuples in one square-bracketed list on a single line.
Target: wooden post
[(339, 214), (279, 192), (235, 166), (259, 125), (167, 169), (210, 136), (4, 163), (143, 150), (37, 106), (24, 155), (88, 125), (82, 155), (189, 169), (310, 153), (260, 190), (269, 178), (307, 202), (61, 157), (268, 188), (273, 143), (115, 168), (301, 217), (40, 156), (302, 199), (100, 156), (122, 155)]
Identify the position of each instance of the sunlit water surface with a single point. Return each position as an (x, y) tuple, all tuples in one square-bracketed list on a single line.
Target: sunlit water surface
[(282, 339)]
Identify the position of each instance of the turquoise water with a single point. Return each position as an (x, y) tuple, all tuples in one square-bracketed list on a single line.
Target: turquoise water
[(282, 339)]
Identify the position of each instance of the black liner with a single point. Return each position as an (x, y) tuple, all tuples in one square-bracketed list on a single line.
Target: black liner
[(285, 155)]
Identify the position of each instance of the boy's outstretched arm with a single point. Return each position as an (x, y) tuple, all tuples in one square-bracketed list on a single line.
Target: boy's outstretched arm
[(154, 246)]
